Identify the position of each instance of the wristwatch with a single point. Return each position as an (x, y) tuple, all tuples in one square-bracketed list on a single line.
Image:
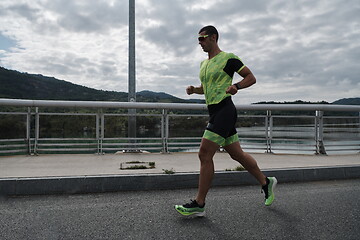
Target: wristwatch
[(237, 85)]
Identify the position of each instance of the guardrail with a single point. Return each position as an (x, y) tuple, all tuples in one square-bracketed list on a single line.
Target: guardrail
[(261, 127)]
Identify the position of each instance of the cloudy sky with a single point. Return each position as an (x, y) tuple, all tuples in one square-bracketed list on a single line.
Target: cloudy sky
[(298, 50)]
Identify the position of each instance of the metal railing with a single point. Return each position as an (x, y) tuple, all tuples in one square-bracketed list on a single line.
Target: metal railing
[(315, 128)]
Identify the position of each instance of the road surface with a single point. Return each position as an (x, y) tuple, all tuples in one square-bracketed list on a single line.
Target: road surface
[(312, 210)]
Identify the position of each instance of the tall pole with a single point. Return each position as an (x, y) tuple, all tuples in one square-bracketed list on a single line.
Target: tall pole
[(131, 74)]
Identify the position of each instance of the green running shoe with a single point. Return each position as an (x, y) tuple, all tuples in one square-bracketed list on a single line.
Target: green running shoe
[(191, 208), (268, 189)]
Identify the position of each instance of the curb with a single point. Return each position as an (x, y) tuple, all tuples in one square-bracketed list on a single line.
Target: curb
[(115, 183)]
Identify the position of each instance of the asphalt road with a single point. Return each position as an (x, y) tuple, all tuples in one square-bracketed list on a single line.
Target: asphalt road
[(313, 210)]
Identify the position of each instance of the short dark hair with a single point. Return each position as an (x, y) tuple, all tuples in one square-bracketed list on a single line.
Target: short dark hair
[(210, 30)]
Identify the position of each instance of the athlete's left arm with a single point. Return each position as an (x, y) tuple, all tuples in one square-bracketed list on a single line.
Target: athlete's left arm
[(248, 80)]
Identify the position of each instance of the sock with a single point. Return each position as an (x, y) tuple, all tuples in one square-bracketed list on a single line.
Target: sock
[(267, 182), (200, 205)]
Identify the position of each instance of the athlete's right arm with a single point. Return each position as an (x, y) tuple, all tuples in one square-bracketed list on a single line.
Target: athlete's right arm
[(198, 90)]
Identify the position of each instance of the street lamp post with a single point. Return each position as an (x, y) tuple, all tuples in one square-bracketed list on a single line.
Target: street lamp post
[(132, 74)]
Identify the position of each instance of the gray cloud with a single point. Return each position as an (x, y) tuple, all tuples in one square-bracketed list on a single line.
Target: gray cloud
[(89, 16), (297, 49), (22, 11)]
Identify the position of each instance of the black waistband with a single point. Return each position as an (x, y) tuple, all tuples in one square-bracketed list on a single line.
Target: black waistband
[(215, 107)]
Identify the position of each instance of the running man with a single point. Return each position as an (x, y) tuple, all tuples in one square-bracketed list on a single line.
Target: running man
[(216, 75)]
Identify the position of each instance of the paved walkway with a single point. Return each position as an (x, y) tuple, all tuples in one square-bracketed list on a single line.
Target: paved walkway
[(109, 164), (53, 174)]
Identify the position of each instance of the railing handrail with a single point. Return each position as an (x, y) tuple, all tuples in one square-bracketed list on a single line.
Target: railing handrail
[(157, 105), (269, 140)]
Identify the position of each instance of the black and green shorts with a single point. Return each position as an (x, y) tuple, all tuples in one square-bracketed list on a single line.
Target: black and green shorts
[(221, 127)]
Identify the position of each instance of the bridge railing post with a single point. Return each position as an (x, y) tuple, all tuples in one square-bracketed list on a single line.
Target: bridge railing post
[(164, 130), (268, 130), (28, 130), (37, 130), (319, 132)]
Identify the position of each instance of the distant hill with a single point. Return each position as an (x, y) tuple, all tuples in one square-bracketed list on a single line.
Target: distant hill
[(347, 101), (146, 95), (18, 85), (153, 95), (14, 84), (343, 101), (293, 102)]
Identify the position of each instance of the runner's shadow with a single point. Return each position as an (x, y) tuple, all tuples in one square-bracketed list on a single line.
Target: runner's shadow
[(284, 220), (207, 226), (281, 214)]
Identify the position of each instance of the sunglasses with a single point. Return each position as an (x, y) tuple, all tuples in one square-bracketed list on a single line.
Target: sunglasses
[(202, 37)]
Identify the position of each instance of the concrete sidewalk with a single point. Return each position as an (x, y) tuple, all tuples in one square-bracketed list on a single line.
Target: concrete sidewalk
[(99, 173), (109, 164)]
